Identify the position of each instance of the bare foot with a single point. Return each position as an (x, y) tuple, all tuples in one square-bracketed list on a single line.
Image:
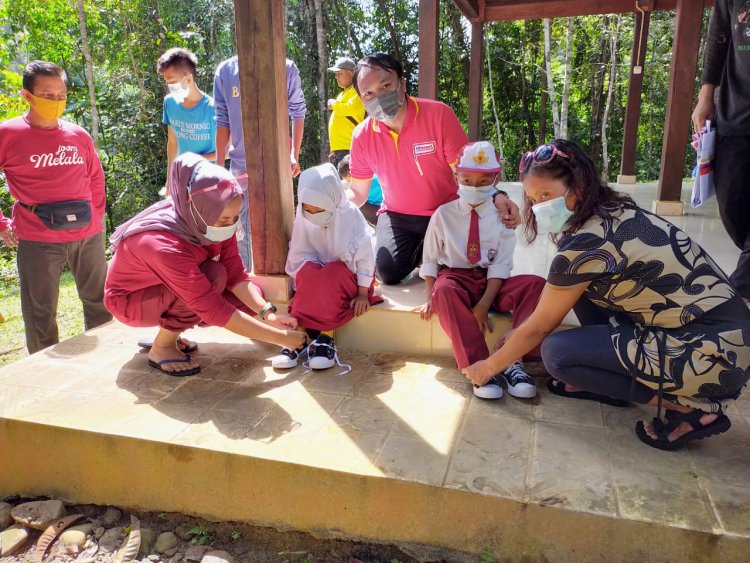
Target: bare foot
[(682, 429), (160, 353)]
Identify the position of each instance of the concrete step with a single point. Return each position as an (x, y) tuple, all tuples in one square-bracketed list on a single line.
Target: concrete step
[(398, 450)]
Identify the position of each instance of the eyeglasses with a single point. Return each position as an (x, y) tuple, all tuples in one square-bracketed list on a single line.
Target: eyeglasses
[(541, 155)]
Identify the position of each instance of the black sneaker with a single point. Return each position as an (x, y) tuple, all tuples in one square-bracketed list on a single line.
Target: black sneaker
[(322, 353), (287, 359)]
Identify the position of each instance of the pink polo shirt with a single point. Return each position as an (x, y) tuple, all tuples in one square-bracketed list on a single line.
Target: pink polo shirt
[(414, 166)]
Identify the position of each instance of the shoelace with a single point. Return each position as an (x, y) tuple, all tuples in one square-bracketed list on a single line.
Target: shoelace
[(293, 354), (347, 367), (517, 375)]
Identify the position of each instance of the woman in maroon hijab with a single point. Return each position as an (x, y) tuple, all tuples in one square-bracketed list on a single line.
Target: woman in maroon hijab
[(176, 265)]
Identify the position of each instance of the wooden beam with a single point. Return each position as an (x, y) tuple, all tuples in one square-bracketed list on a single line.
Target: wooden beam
[(429, 19), (685, 46), (470, 9), (475, 81), (508, 10), (262, 62), (635, 87)]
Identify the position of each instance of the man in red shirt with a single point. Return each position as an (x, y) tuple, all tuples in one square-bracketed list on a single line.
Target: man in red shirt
[(54, 174), (411, 144)]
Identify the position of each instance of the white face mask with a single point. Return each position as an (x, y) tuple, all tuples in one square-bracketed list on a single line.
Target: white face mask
[(215, 234), (475, 196), (552, 215), (178, 91), (321, 219)]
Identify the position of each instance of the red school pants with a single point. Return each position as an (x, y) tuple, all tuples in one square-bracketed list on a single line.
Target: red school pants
[(158, 305), (457, 291), (323, 296)]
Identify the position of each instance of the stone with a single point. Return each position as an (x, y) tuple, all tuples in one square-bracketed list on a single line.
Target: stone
[(171, 552), (165, 542), (5, 518), (38, 514), (184, 533), (99, 532), (197, 552), (176, 558), (112, 539), (12, 539), (148, 539), (218, 557), (73, 537), (111, 517)]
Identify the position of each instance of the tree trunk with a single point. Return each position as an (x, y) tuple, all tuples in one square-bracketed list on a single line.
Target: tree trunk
[(457, 29), (391, 29), (320, 39), (351, 35), (550, 77), (89, 73), (566, 84), (610, 95)]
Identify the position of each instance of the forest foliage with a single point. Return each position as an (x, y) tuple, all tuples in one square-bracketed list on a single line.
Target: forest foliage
[(127, 36)]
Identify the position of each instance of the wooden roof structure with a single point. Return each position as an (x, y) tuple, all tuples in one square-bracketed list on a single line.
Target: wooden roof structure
[(261, 50)]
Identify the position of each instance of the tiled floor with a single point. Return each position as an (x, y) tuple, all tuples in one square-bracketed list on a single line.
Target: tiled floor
[(407, 417)]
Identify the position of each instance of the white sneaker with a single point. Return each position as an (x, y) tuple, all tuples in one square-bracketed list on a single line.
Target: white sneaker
[(490, 390), (519, 382), (322, 353), (287, 359)]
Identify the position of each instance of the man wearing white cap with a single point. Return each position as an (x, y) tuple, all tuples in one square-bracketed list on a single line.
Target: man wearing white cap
[(347, 110), (466, 264)]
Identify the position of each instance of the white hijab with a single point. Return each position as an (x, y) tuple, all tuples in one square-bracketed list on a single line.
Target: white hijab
[(346, 234)]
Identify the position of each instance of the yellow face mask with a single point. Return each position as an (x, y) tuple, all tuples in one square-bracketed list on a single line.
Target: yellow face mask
[(47, 109)]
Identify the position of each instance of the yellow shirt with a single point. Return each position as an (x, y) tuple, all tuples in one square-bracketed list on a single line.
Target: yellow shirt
[(347, 105)]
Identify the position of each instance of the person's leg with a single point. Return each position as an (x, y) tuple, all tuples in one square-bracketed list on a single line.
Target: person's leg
[(584, 358), (399, 245), (40, 265), (732, 182), (89, 266), (520, 295), (244, 234), (370, 213), (453, 297), (323, 295), (588, 313)]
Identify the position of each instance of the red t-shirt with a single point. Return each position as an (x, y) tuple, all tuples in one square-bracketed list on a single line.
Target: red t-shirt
[(163, 258), (46, 166), (414, 166)]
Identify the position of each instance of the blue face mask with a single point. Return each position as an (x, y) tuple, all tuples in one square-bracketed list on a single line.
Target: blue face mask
[(552, 215), (475, 196)]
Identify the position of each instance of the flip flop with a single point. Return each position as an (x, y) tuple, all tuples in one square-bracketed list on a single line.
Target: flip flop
[(555, 389), (178, 373), (147, 342), (674, 419)]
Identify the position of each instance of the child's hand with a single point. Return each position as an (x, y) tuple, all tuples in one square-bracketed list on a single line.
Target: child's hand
[(481, 314), (425, 311), (360, 304), (282, 321)]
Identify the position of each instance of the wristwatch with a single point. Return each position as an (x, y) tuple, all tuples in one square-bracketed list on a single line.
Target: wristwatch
[(265, 309), (499, 192)]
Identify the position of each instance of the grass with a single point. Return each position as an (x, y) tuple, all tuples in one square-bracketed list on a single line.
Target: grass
[(13, 341)]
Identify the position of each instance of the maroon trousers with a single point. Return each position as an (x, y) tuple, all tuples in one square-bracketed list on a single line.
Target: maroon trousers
[(158, 305), (457, 291), (324, 294)]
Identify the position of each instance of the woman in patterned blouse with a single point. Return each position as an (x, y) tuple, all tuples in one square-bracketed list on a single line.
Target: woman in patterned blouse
[(661, 324)]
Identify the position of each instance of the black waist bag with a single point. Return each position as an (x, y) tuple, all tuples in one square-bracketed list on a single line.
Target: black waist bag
[(63, 215)]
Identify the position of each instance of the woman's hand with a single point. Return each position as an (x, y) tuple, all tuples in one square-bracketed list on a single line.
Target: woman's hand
[(479, 372), (293, 339), (282, 321), (360, 304), (508, 211)]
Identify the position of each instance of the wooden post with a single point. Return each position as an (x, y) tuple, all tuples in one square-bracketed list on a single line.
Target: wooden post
[(687, 37), (429, 17), (633, 109), (475, 81), (262, 62)]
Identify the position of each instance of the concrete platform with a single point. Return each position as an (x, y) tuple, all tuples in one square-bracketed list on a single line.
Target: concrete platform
[(398, 450)]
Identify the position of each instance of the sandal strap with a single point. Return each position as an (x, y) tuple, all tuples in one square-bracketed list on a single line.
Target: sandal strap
[(693, 418)]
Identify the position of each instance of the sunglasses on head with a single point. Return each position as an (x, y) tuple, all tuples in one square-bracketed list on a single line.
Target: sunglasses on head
[(541, 155)]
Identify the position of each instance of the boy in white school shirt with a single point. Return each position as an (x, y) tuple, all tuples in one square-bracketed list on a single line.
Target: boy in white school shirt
[(466, 264)]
